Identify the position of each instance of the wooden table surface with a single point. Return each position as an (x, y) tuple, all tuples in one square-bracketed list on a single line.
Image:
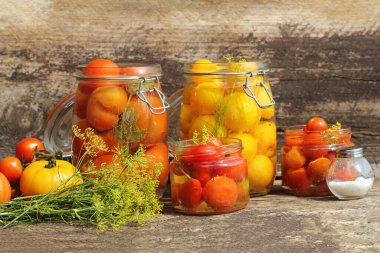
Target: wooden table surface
[(273, 223)]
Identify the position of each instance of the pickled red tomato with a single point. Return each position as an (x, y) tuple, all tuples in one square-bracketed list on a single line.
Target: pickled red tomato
[(241, 113), (190, 193), (297, 180)]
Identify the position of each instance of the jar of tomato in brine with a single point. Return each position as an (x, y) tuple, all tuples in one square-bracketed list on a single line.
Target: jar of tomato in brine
[(209, 177), (306, 157), (233, 99), (119, 109)]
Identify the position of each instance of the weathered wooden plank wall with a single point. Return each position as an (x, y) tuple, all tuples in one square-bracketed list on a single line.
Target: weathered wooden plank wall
[(324, 55)]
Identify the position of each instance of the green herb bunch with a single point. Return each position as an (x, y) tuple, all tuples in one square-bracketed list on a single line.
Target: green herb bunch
[(123, 192)]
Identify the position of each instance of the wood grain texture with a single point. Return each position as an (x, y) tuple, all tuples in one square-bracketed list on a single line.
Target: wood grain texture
[(274, 223), (324, 56)]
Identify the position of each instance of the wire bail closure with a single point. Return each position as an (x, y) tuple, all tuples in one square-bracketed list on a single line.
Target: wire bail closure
[(250, 93), (140, 92)]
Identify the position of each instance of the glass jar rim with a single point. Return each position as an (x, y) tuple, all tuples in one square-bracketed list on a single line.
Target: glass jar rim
[(293, 130), (128, 71), (254, 67), (229, 145)]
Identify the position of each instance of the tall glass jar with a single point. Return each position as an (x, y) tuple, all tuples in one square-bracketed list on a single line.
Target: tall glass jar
[(123, 106), (306, 157), (234, 100), (209, 178)]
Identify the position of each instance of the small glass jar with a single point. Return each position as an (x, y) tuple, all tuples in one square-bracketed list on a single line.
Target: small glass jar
[(209, 178), (306, 157), (233, 100), (350, 175), (125, 107)]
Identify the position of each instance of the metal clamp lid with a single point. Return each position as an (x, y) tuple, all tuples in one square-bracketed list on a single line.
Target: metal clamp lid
[(250, 93), (349, 152), (140, 92)]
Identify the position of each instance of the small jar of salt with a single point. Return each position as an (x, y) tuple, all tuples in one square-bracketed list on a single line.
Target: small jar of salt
[(350, 175)]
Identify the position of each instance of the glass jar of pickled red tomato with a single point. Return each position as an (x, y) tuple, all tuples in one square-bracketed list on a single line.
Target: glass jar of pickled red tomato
[(233, 99), (306, 157), (209, 178), (123, 108)]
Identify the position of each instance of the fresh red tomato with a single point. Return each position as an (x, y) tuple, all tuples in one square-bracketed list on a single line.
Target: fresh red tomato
[(11, 167), (100, 68), (316, 124), (26, 147), (5, 189)]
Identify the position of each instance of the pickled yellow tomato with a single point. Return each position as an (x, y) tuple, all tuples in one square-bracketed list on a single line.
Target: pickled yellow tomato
[(185, 118), (187, 91), (241, 112), (248, 142), (210, 123), (264, 99), (265, 134), (205, 97), (202, 66), (260, 172)]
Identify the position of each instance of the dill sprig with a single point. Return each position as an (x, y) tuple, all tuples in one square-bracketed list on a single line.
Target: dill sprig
[(123, 192)]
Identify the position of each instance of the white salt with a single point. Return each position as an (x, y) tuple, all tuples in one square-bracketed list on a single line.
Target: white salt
[(351, 189)]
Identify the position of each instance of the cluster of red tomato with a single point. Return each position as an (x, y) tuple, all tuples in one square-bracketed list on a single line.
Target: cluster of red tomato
[(307, 155), (99, 105), (207, 179), (11, 168)]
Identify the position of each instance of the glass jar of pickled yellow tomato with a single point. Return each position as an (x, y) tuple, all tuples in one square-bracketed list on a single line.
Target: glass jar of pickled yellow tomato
[(233, 99), (120, 110)]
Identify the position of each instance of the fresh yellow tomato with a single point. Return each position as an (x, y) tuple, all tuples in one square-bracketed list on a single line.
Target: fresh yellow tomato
[(37, 178)]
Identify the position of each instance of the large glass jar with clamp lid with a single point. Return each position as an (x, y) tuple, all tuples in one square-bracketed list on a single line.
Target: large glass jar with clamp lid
[(120, 105), (233, 99)]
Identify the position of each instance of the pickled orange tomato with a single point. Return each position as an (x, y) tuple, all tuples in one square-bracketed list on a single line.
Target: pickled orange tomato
[(241, 112), (158, 156), (317, 169), (209, 122), (80, 105), (298, 180), (205, 97), (185, 118), (260, 172), (264, 99), (187, 91), (220, 192), (104, 106), (249, 144), (101, 68), (265, 134), (243, 188), (295, 159)]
